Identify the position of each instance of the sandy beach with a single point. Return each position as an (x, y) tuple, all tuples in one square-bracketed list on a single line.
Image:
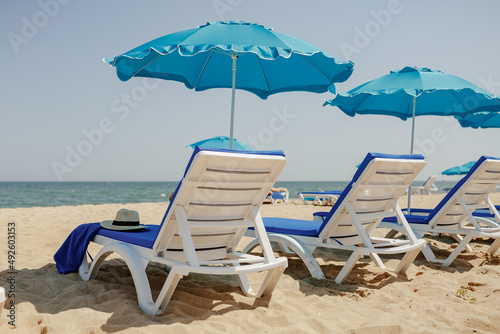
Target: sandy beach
[(429, 298)]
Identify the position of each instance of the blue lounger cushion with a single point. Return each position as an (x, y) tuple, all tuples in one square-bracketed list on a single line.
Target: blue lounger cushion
[(477, 213), (483, 213), (144, 238), (412, 219), (292, 226), (321, 214)]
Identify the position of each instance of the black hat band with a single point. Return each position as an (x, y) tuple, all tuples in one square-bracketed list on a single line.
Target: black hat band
[(120, 223)]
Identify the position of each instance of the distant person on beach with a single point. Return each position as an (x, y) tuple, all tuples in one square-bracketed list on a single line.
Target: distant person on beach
[(273, 190)]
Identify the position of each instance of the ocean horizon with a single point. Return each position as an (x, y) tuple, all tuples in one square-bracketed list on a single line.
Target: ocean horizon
[(45, 194)]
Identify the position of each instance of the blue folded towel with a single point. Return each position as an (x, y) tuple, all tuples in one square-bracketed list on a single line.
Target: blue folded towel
[(70, 255)]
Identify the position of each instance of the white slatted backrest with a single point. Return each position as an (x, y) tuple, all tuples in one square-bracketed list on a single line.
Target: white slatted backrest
[(371, 198), (473, 192), (430, 181), (216, 196)]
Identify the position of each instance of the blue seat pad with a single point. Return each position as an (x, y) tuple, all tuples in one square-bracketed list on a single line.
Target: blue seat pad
[(292, 226), (412, 219), (145, 238), (477, 213), (483, 213), (321, 214)]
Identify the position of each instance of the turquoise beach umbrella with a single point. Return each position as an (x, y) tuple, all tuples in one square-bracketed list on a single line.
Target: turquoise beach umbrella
[(412, 92), (222, 142), (237, 55), (484, 120), (459, 170)]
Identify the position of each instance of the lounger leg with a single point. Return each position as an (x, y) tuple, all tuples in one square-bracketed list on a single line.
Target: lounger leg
[(429, 254), (459, 238), (270, 281), (83, 270), (137, 266), (245, 285), (460, 247), (347, 267), (494, 247), (406, 261), (285, 249), (391, 234), (426, 250), (166, 292), (487, 222), (377, 260), (87, 272), (303, 199), (267, 286), (302, 251), (395, 229)]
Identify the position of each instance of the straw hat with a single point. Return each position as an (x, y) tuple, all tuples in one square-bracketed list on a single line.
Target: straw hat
[(125, 220)]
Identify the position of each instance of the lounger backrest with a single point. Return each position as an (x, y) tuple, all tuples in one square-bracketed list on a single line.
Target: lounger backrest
[(219, 189), (380, 180), (473, 189), (430, 181)]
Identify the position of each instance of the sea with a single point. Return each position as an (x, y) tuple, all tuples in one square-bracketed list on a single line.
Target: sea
[(43, 194)]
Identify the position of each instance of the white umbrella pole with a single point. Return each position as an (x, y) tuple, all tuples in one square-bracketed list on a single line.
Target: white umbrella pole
[(411, 149), (413, 124), (234, 56)]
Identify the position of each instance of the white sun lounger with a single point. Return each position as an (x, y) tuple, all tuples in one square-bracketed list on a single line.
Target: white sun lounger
[(455, 216), (319, 197), (427, 188), (276, 196), (216, 201), (371, 195)]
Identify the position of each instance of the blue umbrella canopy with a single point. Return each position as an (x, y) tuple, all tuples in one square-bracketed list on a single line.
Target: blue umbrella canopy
[(482, 120), (222, 142), (237, 55), (459, 170), (412, 92), (435, 93)]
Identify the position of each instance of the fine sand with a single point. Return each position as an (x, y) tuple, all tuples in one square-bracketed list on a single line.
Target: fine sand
[(429, 298)]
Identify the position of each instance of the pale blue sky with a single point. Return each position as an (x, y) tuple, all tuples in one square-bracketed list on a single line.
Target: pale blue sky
[(55, 87)]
